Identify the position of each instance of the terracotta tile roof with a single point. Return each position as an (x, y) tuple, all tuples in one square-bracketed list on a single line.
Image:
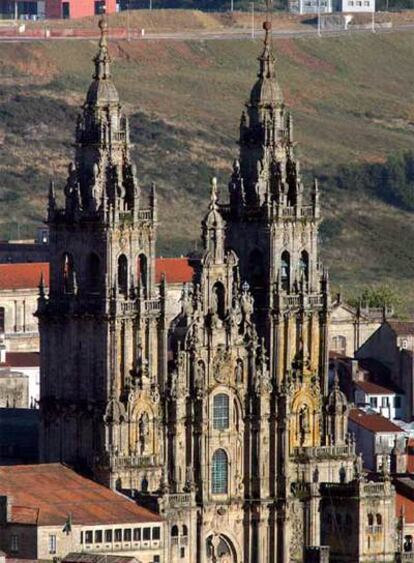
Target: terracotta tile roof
[(374, 389), (98, 558), (402, 328), (407, 504), (373, 422), (176, 270), (23, 276), (47, 493), (22, 359), (27, 276)]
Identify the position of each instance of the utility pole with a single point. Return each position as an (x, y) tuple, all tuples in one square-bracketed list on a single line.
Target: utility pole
[(150, 6), (319, 18), (231, 5), (373, 22), (128, 29), (252, 5)]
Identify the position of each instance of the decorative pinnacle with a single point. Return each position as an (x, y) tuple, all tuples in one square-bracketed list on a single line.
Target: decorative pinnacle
[(213, 198), (102, 58)]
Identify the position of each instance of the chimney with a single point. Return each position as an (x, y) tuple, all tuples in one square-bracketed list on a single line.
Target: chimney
[(355, 370)]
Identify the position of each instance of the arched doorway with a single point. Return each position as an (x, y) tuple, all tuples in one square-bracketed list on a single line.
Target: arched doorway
[(220, 550)]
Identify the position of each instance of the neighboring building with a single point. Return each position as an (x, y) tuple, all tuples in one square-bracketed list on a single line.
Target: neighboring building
[(224, 416), (377, 438), (14, 389), (27, 363), (49, 511), (21, 251), (19, 436), (386, 401), (350, 327), (18, 303), (358, 6), (310, 6), (73, 9), (393, 345)]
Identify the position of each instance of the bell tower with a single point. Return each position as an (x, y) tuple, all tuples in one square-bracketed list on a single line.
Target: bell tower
[(102, 367)]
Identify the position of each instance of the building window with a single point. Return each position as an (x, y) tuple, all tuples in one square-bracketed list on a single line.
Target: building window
[(81, 537), (52, 544), (146, 534), (156, 533), (88, 536), (378, 519), (127, 534), (373, 402), (65, 10), (123, 275), (285, 270), (385, 402), (2, 320), (118, 535), (339, 344), (14, 543), (304, 260), (137, 534), (182, 552), (397, 402), (219, 472), (185, 530), (156, 559), (98, 536), (108, 536), (370, 519), (174, 531), (221, 411)]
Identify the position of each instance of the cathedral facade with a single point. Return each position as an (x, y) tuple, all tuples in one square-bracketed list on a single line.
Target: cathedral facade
[(225, 417)]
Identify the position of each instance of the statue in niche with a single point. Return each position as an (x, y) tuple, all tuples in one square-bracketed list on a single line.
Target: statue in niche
[(239, 372), (214, 301), (143, 432), (304, 426)]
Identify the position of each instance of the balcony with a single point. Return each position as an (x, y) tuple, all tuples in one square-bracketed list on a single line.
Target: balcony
[(324, 452), (177, 500), (131, 462)]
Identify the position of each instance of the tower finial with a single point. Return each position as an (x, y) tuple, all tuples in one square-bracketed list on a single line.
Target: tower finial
[(102, 59), (214, 197)]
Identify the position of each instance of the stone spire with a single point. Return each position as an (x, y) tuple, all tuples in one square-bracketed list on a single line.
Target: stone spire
[(213, 227), (102, 181), (268, 169)]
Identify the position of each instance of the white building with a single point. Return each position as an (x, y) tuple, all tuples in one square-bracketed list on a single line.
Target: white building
[(376, 437), (310, 6), (358, 6), (386, 401)]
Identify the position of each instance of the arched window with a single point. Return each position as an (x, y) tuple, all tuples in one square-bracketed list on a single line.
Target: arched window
[(94, 273), (219, 473), (378, 518), (143, 273), (185, 530), (285, 270), (68, 273), (123, 274), (304, 266), (174, 531), (370, 519), (408, 543), (221, 412), (218, 303)]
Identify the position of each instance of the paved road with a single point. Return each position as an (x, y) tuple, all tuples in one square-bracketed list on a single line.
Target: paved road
[(223, 35)]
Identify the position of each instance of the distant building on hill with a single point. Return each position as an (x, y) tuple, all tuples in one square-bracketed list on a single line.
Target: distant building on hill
[(54, 9), (331, 6)]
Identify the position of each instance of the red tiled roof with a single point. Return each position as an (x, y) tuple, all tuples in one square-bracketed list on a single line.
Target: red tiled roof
[(22, 359), (47, 493), (402, 328), (23, 276), (373, 422), (176, 270), (374, 389), (26, 276)]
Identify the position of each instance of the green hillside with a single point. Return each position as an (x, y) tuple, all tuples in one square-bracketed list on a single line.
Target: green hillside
[(352, 100)]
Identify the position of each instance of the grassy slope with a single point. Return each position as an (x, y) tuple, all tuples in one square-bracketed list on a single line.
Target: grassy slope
[(352, 100)]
